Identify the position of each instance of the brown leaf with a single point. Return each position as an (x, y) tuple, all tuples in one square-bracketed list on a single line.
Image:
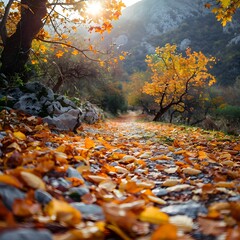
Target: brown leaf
[(25, 208), (211, 227)]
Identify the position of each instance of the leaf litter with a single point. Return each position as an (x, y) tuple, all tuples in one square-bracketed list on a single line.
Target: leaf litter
[(117, 180)]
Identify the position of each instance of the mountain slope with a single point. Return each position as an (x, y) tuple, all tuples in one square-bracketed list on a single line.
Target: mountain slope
[(151, 23)]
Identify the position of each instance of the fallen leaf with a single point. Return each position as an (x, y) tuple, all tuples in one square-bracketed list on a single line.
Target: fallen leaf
[(11, 180), (89, 143), (182, 222), (33, 181), (211, 227), (165, 232), (20, 135), (63, 212), (153, 215), (178, 188), (191, 171)]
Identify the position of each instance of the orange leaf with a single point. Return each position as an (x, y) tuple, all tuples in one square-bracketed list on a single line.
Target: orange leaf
[(89, 143), (25, 208), (7, 179), (237, 147), (165, 232)]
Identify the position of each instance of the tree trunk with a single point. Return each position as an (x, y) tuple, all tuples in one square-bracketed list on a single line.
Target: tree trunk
[(17, 47), (161, 112)]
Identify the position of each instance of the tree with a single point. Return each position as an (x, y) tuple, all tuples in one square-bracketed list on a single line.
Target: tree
[(174, 76), (134, 94), (224, 9), (23, 21)]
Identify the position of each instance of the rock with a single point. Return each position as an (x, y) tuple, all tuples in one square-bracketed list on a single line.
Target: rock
[(160, 192), (39, 89), (26, 234), (65, 121), (72, 172), (29, 103), (42, 196), (36, 99), (191, 209), (9, 194), (90, 113), (64, 183), (77, 192), (90, 211)]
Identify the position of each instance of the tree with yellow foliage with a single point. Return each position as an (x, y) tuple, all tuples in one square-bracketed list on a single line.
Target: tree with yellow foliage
[(26, 20), (174, 76), (224, 9)]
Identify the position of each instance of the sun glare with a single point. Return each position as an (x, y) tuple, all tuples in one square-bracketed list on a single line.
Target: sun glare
[(94, 8)]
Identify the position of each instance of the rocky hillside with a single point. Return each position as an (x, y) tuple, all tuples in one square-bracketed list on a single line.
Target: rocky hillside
[(151, 23)]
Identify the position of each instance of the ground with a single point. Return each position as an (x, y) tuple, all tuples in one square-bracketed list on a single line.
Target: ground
[(124, 178)]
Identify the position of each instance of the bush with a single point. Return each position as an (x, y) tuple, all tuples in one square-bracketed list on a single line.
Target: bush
[(229, 112)]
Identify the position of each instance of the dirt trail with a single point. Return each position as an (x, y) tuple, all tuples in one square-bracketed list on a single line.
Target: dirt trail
[(120, 179)]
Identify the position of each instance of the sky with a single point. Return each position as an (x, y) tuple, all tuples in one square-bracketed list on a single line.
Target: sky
[(130, 2)]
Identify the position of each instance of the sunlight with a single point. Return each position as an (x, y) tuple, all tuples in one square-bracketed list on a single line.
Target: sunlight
[(94, 8)]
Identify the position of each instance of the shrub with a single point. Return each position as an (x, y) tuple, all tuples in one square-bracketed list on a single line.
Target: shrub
[(229, 112)]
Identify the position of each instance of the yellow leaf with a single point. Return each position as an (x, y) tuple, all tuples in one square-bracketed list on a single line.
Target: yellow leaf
[(63, 212), (102, 63), (33, 181), (202, 155), (89, 143), (64, 36), (20, 135), (121, 57), (34, 61), (59, 54), (154, 215), (225, 3), (75, 52), (42, 48)]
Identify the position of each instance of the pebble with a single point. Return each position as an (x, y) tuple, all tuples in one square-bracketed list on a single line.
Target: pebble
[(72, 172), (26, 234), (90, 211), (9, 194), (190, 209), (64, 183), (42, 197), (160, 192), (78, 191)]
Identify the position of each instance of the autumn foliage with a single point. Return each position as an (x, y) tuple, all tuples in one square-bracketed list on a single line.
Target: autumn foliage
[(224, 9), (174, 76), (51, 22)]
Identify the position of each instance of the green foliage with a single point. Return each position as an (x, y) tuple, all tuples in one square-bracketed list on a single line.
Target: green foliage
[(229, 112), (114, 102)]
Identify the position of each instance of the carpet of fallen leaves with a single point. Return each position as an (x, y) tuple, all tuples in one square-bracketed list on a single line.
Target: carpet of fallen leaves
[(118, 179)]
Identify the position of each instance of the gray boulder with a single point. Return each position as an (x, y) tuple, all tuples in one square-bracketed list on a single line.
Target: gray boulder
[(36, 99), (90, 113), (65, 121)]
